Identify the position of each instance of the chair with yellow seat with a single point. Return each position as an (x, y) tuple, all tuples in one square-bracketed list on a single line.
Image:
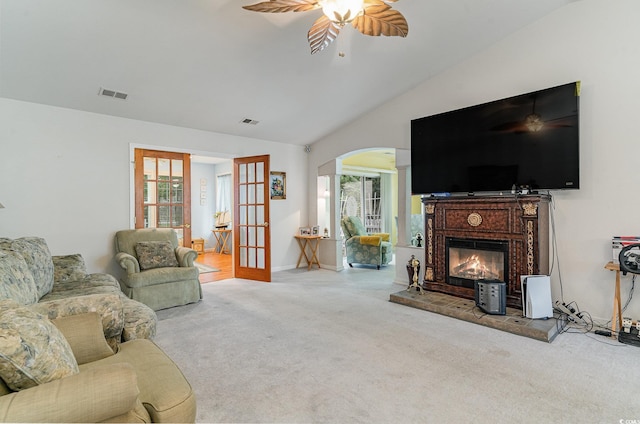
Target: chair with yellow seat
[(363, 248)]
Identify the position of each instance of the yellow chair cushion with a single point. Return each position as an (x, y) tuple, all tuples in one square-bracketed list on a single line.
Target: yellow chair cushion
[(370, 240), (383, 236)]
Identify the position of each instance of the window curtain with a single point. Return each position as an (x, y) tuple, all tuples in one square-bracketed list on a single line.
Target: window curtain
[(223, 200)]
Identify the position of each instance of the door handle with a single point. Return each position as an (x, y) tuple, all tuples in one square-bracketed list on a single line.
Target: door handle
[(187, 225), (264, 224)]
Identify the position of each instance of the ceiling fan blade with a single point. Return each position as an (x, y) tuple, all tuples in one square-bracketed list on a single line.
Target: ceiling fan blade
[(381, 20), (563, 121), (368, 3), (281, 6), (508, 126), (322, 33)]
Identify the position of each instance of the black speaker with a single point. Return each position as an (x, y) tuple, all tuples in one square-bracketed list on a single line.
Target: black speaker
[(491, 296)]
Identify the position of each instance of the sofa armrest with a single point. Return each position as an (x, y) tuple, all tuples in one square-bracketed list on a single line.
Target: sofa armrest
[(92, 396), (365, 240), (384, 236), (186, 256), (107, 305), (128, 262)]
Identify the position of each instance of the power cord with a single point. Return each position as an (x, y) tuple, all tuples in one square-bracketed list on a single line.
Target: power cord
[(554, 247), (572, 319)]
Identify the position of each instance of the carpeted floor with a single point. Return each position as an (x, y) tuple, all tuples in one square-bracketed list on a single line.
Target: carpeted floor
[(321, 346)]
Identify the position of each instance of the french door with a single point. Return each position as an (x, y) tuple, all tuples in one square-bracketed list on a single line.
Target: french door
[(163, 191), (251, 234)]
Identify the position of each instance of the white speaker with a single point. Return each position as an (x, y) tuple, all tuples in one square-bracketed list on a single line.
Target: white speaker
[(536, 296)]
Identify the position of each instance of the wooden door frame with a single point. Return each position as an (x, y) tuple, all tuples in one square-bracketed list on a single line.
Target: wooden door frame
[(138, 190), (245, 272)]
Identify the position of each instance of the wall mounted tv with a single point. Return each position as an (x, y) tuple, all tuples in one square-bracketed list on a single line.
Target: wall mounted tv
[(530, 141)]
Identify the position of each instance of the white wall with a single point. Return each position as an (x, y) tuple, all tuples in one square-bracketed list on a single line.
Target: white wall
[(65, 176), (202, 220), (594, 41)]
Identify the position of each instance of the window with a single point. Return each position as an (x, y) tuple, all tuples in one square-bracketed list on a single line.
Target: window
[(361, 196)]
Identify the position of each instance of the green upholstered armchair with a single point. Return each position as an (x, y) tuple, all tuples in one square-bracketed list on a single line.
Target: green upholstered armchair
[(363, 248), (159, 273)]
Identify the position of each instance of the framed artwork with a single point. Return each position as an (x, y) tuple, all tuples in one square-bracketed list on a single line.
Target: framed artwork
[(315, 230), (278, 185), (304, 231)]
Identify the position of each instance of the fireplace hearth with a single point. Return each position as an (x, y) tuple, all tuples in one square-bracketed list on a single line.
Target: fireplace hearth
[(485, 237)]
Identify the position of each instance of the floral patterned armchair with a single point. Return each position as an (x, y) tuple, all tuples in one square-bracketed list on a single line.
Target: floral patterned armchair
[(363, 248)]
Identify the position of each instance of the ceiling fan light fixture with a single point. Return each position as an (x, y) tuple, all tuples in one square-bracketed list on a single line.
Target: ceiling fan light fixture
[(534, 122), (342, 12), (370, 17)]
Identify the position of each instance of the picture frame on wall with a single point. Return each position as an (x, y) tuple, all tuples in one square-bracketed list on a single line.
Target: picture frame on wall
[(278, 185)]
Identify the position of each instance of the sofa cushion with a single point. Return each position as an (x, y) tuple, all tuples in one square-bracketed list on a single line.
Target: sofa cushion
[(69, 268), (153, 277), (32, 350), (17, 280), (370, 240), (156, 254), (383, 236), (85, 336), (36, 253), (107, 305), (354, 226)]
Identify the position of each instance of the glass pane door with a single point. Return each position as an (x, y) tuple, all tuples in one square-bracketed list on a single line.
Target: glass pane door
[(252, 226), (161, 192)]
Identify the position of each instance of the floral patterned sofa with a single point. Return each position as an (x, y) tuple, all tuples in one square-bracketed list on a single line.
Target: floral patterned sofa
[(74, 348), (363, 248), (57, 286)]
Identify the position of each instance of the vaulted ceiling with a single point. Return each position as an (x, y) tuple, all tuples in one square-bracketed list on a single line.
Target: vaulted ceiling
[(209, 64)]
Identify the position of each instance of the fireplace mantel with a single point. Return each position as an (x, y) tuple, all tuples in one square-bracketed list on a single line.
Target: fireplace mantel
[(522, 221)]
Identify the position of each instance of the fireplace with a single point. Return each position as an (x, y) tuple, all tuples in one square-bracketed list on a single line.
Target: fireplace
[(490, 237), (468, 260)]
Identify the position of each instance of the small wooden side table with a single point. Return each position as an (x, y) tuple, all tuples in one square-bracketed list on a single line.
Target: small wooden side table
[(616, 318), (311, 244), (222, 239)]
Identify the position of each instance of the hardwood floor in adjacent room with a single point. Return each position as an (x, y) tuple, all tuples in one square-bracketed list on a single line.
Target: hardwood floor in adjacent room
[(224, 262)]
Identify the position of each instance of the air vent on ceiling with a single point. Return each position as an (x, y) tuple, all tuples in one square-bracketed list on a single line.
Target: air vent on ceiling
[(113, 94), (249, 121)]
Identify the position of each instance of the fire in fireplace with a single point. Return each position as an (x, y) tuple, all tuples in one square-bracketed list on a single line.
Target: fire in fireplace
[(468, 260)]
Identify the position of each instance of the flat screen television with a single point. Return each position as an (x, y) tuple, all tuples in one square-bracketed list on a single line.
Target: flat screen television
[(530, 141)]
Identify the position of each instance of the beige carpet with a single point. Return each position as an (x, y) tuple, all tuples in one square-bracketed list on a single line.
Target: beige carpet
[(319, 346)]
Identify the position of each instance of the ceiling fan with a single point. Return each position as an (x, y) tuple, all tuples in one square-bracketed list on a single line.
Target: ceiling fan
[(370, 17)]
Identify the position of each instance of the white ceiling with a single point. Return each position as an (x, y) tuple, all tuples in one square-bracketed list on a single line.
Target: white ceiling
[(208, 64)]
